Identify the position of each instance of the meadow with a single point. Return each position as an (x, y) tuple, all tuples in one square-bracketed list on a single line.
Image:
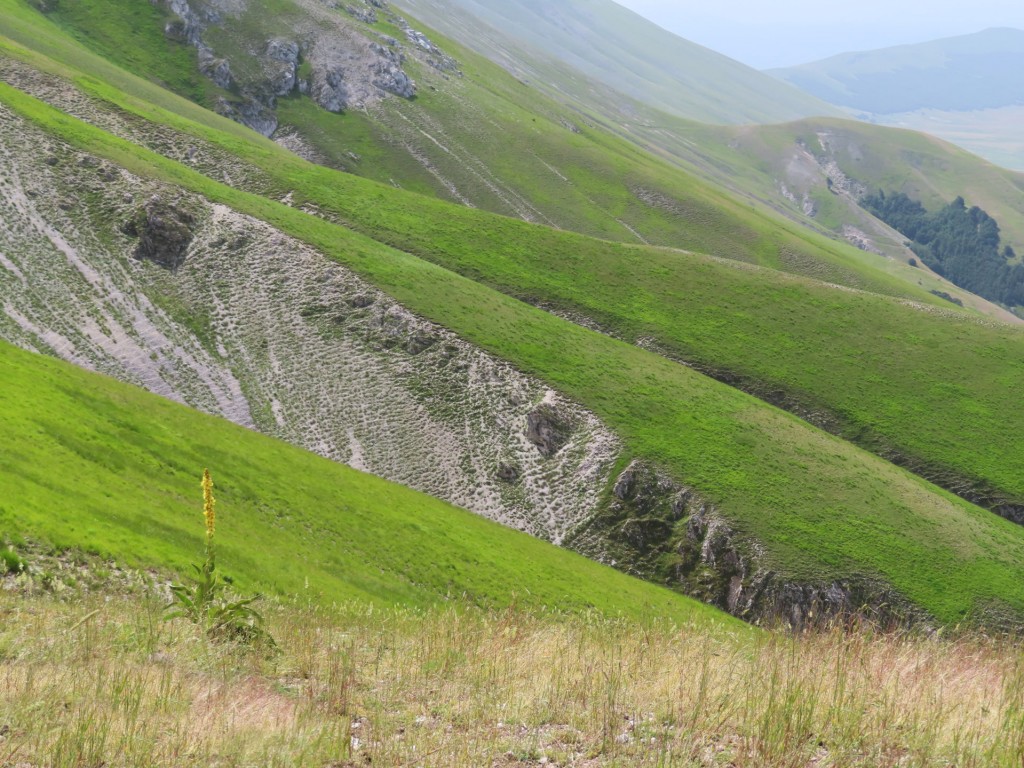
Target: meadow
[(99, 678), (817, 508)]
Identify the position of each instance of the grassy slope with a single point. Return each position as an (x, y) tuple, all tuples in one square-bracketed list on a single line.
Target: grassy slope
[(888, 377), (750, 161), (619, 48), (928, 169), (822, 509), (93, 464), (587, 182)]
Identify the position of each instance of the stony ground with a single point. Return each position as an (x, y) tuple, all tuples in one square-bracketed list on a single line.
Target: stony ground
[(222, 312)]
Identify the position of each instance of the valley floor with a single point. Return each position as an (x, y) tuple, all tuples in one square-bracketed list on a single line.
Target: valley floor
[(98, 678)]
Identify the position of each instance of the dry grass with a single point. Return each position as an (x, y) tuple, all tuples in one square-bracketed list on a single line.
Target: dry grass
[(104, 681)]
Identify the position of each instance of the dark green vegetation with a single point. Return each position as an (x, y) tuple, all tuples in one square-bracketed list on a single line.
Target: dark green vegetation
[(958, 242), (937, 389), (977, 71), (95, 465)]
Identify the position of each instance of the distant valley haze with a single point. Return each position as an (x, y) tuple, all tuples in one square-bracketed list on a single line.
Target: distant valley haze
[(768, 35)]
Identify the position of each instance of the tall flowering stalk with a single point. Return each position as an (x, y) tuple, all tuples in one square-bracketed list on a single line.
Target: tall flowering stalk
[(207, 601), (209, 515)]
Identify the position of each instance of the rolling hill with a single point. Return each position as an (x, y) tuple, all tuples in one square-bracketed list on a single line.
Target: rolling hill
[(708, 489), (623, 51), (961, 74), (967, 89)]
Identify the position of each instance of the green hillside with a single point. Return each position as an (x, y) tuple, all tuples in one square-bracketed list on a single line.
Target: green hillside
[(640, 293), (820, 509), (95, 465), (927, 169), (544, 164), (621, 50), (813, 508)]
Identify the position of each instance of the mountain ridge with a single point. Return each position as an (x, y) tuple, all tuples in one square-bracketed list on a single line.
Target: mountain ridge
[(668, 72)]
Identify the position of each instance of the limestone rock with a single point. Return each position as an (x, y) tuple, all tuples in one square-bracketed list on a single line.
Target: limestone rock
[(547, 429), (217, 69), (164, 230)]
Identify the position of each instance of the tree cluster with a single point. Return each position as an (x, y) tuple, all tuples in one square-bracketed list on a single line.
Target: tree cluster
[(962, 244)]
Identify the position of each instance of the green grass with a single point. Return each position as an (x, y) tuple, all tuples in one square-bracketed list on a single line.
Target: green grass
[(508, 151), (99, 466), (106, 30), (881, 376), (822, 509)]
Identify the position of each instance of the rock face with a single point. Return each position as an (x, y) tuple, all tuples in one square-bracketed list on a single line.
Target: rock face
[(342, 66), (666, 532), (284, 78), (250, 113), (547, 429), (218, 70), (164, 230)]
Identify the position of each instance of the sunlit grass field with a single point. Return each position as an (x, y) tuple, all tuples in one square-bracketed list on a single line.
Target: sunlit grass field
[(102, 679)]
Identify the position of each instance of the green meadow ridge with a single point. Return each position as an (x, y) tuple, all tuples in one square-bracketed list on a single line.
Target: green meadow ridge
[(801, 508), (92, 464), (544, 164), (836, 513)]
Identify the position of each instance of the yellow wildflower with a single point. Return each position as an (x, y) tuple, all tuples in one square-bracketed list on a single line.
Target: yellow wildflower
[(208, 502)]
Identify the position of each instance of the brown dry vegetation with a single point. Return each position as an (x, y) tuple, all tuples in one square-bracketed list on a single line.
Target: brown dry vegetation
[(102, 680)]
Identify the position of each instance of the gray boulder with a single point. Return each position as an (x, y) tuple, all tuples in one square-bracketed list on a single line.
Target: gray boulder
[(217, 69), (164, 230), (329, 90)]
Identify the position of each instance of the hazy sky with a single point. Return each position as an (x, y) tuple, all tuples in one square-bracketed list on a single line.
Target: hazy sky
[(765, 34)]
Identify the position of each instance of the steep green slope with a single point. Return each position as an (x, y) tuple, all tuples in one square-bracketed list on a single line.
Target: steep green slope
[(818, 510), (620, 49), (754, 162), (969, 72), (93, 464), (484, 140), (763, 330)]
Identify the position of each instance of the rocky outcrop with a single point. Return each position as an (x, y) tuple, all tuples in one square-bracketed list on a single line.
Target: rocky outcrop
[(164, 230), (217, 69), (364, 14), (658, 529), (548, 429), (282, 78), (344, 67), (249, 112)]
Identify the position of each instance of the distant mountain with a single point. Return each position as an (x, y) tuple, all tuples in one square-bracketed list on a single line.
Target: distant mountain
[(972, 72), (622, 50)]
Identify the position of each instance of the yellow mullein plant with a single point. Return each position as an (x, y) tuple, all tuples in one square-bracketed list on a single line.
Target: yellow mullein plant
[(207, 601)]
